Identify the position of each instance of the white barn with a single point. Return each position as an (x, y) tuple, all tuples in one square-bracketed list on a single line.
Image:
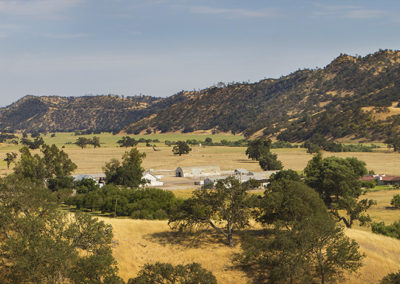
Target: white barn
[(197, 171), (152, 180)]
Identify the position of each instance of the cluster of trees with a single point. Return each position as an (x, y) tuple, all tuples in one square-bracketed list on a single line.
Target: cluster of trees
[(209, 142), (84, 141), (32, 144), (315, 144), (260, 150), (127, 141), (6, 136), (301, 242), (144, 203), (10, 158)]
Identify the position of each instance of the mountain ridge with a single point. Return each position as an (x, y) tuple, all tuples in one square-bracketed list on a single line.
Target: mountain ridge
[(346, 98)]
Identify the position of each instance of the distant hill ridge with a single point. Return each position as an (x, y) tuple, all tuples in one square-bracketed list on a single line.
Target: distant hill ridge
[(353, 97)]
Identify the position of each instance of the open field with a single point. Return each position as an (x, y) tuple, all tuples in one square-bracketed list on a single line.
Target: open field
[(91, 160)]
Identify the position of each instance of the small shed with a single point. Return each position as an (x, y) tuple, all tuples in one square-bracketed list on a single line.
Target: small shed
[(152, 180), (197, 171)]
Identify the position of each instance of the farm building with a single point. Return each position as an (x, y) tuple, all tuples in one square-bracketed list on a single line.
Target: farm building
[(197, 171), (263, 177), (152, 180), (382, 179), (98, 178)]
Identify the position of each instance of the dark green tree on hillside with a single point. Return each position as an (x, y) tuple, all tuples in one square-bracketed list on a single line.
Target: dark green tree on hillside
[(224, 208), (337, 182), (181, 148), (129, 172)]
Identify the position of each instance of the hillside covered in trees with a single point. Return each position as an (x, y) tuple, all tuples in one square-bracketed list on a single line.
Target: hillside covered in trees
[(356, 97)]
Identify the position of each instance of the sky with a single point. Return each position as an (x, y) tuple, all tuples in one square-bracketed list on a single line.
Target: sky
[(160, 47)]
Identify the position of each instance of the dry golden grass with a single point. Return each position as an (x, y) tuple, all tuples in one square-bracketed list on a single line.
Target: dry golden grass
[(382, 256), (142, 242), (91, 160)]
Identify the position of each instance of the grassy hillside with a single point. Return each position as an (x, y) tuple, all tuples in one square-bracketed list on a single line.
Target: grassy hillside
[(344, 99)]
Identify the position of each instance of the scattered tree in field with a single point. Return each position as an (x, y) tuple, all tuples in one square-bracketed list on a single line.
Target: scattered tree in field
[(391, 278), (95, 141), (395, 202), (225, 208), (127, 141), (83, 142), (337, 182), (129, 172), (42, 244), (35, 144), (394, 141), (304, 245), (54, 167), (169, 274), (181, 148), (270, 162), (10, 158), (260, 150)]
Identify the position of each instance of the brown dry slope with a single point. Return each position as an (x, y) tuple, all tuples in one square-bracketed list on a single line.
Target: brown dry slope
[(143, 242)]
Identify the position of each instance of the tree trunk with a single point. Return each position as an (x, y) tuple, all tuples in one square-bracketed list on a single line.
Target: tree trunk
[(348, 225)]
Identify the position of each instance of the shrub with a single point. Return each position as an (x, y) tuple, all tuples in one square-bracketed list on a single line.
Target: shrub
[(169, 274), (395, 201)]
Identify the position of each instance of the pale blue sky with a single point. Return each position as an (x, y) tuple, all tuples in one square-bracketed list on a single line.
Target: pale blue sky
[(159, 47)]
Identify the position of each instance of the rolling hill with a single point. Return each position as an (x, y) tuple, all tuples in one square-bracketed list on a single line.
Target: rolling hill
[(354, 97)]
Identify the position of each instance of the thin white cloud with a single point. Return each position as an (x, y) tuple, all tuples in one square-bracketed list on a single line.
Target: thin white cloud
[(348, 11), (66, 36), (232, 13), (35, 7)]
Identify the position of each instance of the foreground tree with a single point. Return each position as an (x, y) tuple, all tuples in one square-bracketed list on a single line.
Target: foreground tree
[(41, 244), (181, 148), (10, 158), (337, 182), (169, 274), (129, 172), (304, 245), (225, 208)]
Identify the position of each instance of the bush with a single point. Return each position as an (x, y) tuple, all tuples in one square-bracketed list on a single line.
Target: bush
[(395, 201), (392, 230), (392, 278), (169, 274)]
